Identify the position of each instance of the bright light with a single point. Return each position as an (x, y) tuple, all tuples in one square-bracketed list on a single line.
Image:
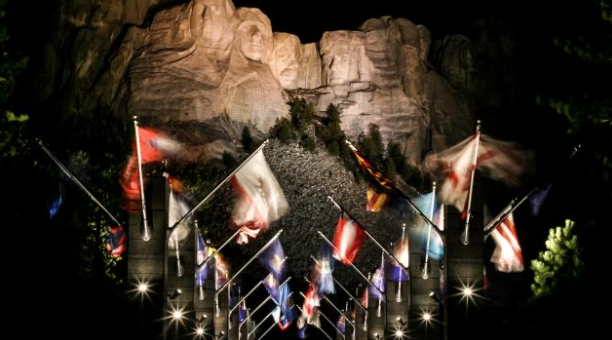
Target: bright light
[(177, 314), (200, 332), (427, 317), (467, 292), (143, 288), (399, 333)]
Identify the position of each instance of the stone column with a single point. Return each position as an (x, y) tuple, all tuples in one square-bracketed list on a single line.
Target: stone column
[(465, 268), (397, 311), (145, 265), (376, 321), (425, 295), (179, 290)]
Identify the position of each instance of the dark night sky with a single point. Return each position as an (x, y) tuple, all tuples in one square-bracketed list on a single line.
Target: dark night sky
[(309, 19)]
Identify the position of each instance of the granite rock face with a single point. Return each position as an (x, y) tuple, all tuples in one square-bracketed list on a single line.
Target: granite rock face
[(206, 61)]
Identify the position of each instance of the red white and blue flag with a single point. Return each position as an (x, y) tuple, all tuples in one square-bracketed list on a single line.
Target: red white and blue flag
[(507, 256), (348, 239), (116, 242)]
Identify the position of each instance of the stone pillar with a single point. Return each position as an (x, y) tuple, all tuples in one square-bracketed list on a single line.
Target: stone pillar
[(361, 330), (179, 290), (204, 305), (145, 265), (376, 320), (232, 331), (397, 309), (221, 309), (465, 267), (425, 295)]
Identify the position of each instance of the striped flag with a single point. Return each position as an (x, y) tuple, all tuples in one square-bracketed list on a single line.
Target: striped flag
[(348, 239), (376, 201), (116, 243), (507, 256)]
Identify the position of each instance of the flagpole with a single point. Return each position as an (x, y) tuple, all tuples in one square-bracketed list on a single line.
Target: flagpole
[(211, 256), (349, 262), (369, 235), (253, 312), (260, 323), (398, 295), (147, 233), (179, 267), (431, 213), (266, 318), (247, 295), (407, 199), (248, 262), (513, 205), (321, 329), (270, 328), (331, 303), (205, 199), (326, 318), (76, 181), (200, 293), (260, 305), (466, 229), (338, 283)]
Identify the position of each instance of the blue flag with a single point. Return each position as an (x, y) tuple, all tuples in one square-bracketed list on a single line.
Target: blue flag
[(273, 258), (203, 253), (537, 199), (325, 269), (285, 303), (341, 324), (422, 233)]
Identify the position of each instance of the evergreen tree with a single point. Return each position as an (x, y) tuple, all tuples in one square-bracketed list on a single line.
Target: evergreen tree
[(584, 99), (309, 143), (247, 139), (330, 132), (302, 113), (560, 266), (372, 147), (12, 126)]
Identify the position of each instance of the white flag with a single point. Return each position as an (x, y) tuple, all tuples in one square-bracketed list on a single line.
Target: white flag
[(260, 198)]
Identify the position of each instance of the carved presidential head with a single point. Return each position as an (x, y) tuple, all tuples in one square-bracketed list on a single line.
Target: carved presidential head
[(343, 56), (285, 61), (254, 35), (211, 23)]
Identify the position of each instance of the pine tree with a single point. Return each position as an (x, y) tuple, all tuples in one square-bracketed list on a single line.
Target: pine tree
[(560, 266), (247, 139)]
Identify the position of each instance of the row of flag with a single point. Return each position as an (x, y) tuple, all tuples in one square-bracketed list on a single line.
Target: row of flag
[(261, 201)]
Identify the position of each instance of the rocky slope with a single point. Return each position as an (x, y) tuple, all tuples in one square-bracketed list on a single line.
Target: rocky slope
[(307, 178)]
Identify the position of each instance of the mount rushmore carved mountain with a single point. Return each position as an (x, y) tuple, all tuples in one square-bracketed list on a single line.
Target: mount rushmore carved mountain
[(220, 67)]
